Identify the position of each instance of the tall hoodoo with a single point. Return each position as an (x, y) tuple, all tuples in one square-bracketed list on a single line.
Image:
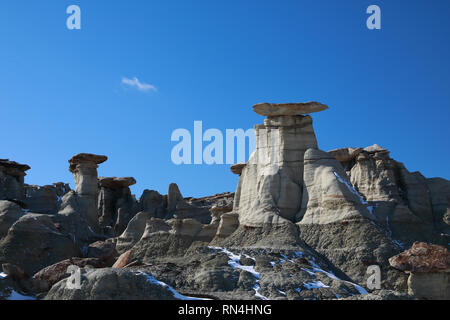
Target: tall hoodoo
[(270, 186), (84, 169)]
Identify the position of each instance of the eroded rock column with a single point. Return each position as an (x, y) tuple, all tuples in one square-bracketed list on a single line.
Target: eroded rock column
[(116, 204), (12, 180), (271, 183), (84, 169)]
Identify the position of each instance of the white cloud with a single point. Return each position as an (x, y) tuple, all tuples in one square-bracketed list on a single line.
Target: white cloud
[(140, 86)]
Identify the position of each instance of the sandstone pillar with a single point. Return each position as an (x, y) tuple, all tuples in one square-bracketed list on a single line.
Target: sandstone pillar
[(84, 169), (271, 183)]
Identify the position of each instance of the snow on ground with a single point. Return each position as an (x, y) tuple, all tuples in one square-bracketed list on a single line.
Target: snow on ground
[(3, 275), (314, 285), (17, 296), (350, 187), (175, 293), (235, 263), (281, 292), (356, 193)]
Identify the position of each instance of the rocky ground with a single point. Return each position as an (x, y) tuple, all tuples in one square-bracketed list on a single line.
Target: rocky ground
[(303, 224)]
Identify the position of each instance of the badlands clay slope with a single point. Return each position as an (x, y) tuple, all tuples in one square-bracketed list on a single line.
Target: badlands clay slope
[(303, 224)]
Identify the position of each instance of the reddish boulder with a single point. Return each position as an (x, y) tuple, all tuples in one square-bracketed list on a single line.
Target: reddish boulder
[(55, 273), (422, 258), (104, 251)]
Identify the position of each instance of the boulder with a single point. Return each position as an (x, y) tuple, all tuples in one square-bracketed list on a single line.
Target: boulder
[(34, 242), (10, 212), (71, 220), (123, 260), (113, 284), (22, 280), (58, 271), (429, 270), (105, 251), (422, 258)]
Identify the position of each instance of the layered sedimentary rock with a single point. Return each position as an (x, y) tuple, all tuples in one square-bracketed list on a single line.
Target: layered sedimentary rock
[(116, 204), (270, 186), (399, 199), (84, 169), (12, 180), (328, 195), (336, 221), (440, 201)]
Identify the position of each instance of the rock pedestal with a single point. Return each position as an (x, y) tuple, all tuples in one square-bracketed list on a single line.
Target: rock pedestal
[(429, 270), (270, 185), (115, 203), (84, 169), (12, 180)]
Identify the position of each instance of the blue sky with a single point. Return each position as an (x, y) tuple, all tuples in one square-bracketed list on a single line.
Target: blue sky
[(61, 91)]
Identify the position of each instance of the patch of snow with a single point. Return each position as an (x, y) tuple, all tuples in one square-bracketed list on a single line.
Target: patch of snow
[(314, 285), (356, 193), (3, 275), (175, 293), (329, 274), (388, 227), (311, 273), (235, 263), (281, 292), (17, 296), (256, 287), (287, 259)]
